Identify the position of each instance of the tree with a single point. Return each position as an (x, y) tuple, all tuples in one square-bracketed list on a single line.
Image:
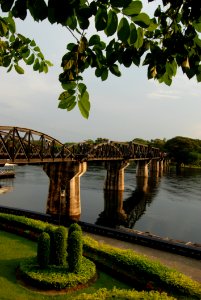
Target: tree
[(164, 42), (181, 149)]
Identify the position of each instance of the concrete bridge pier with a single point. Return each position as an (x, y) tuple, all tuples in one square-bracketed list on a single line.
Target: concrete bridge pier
[(142, 168), (154, 168), (142, 184), (115, 175), (64, 188), (160, 167)]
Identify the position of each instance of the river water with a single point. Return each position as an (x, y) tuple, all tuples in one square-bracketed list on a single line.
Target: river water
[(167, 206)]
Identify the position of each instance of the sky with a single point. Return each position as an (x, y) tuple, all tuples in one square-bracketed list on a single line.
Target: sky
[(121, 108)]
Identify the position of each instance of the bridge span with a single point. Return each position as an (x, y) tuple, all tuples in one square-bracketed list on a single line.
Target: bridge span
[(24, 146), (64, 164)]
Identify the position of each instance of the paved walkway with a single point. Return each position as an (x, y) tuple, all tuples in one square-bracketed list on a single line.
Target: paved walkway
[(189, 266)]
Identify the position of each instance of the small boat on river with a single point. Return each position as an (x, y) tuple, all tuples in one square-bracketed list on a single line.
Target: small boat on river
[(7, 171)]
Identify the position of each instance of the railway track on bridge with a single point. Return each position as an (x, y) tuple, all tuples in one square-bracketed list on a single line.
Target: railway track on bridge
[(144, 239)]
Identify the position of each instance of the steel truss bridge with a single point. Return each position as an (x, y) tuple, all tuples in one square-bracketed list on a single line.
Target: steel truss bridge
[(23, 146)]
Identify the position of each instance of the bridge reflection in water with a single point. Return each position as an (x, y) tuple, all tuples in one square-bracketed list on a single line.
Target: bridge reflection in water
[(126, 213), (65, 164)]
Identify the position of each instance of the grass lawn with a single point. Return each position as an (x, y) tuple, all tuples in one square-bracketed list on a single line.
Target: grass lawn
[(13, 248)]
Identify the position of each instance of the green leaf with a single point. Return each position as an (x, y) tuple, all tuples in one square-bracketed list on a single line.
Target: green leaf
[(104, 74), (36, 65), (10, 68), (49, 63), (94, 39), (33, 43), (197, 26), (71, 85), (30, 60), (3, 27), (71, 22), (197, 41), (67, 102), (82, 88), (101, 19), (134, 8), (37, 49), (112, 23), (114, 69), (18, 69), (26, 54), (142, 20), (140, 38), (84, 104), (123, 31), (133, 34), (12, 38), (11, 24), (169, 69), (153, 25), (198, 75), (45, 68), (98, 72), (71, 46)]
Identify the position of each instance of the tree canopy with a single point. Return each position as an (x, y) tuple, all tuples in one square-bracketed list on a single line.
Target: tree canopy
[(123, 35)]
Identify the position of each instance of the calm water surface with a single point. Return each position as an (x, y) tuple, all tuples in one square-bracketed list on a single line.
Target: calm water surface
[(169, 206)]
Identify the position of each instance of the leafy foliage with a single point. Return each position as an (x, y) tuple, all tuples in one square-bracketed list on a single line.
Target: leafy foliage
[(15, 47), (165, 41)]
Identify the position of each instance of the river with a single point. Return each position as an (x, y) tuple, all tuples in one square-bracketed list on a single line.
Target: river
[(167, 206)]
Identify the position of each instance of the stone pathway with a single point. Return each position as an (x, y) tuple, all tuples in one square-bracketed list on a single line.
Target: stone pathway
[(189, 266)]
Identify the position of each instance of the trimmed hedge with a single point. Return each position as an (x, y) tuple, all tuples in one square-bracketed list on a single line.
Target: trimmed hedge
[(50, 229), (74, 227), (43, 250), (60, 246), (75, 251), (103, 294), (154, 274), (56, 277)]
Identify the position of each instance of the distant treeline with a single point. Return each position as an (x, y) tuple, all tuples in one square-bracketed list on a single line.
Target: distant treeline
[(181, 150)]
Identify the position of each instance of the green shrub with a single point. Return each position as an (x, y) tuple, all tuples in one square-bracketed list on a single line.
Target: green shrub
[(43, 250), (50, 230), (73, 227), (60, 246), (103, 294), (143, 268), (75, 245), (56, 277)]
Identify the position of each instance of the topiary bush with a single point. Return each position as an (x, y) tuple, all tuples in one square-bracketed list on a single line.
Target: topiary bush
[(60, 246), (75, 248), (73, 227), (50, 230), (43, 250)]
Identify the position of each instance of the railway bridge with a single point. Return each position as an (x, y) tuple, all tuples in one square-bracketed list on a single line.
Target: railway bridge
[(65, 163)]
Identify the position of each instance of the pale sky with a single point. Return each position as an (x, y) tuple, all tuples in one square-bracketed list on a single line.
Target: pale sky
[(121, 108)]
